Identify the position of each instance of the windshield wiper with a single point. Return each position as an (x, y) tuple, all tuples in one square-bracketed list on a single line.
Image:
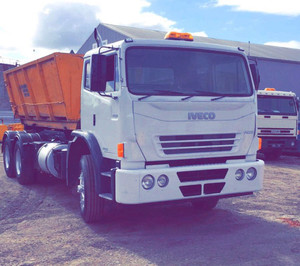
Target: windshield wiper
[(205, 93), (217, 98), (187, 97), (144, 97), (165, 92)]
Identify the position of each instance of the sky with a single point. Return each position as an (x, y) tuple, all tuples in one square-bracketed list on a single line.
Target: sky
[(31, 29)]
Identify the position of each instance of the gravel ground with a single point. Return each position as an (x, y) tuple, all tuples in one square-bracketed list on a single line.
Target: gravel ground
[(41, 225)]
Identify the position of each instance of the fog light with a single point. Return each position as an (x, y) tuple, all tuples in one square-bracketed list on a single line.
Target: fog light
[(251, 173), (239, 174), (148, 182), (162, 181)]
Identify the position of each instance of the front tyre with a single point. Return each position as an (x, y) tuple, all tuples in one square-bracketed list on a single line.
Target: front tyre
[(205, 204), (91, 205), (23, 159), (8, 158)]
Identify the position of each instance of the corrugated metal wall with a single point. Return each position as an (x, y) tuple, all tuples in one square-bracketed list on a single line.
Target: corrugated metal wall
[(6, 114), (281, 75), (4, 101)]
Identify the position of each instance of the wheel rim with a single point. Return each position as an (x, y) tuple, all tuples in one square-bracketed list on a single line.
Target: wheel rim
[(80, 189), (6, 156), (18, 162)]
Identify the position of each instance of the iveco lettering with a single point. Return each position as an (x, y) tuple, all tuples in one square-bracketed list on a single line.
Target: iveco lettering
[(201, 116)]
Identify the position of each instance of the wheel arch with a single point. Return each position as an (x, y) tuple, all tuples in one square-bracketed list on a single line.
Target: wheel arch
[(25, 137), (22, 136), (83, 142)]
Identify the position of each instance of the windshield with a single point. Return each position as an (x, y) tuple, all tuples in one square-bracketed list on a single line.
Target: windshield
[(273, 105), (170, 71)]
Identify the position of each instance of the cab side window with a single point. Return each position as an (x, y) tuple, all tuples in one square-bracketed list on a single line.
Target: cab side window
[(111, 73), (87, 74)]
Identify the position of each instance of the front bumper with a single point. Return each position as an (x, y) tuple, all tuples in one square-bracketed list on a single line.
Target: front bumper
[(274, 144), (187, 182)]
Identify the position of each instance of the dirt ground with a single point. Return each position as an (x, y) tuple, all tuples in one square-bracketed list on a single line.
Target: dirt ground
[(41, 225)]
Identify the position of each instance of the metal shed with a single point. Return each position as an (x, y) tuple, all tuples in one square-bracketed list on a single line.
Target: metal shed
[(279, 67)]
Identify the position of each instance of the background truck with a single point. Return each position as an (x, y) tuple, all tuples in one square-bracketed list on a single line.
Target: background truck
[(138, 121), (277, 123)]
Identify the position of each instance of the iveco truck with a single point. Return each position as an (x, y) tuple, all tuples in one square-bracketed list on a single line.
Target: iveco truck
[(277, 123), (138, 121)]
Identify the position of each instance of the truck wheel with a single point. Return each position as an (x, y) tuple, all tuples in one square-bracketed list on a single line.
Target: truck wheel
[(205, 204), (8, 159), (91, 205), (23, 164)]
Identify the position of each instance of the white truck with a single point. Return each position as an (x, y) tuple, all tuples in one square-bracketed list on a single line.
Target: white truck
[(277, 123), (161, 120)]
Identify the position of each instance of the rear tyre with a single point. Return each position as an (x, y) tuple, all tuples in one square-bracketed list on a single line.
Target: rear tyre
[(24, 164), (8, 159), (205, 204), (91, 205)]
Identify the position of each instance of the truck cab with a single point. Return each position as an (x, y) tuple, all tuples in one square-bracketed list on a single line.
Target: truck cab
[(183, 115), (277, 121)]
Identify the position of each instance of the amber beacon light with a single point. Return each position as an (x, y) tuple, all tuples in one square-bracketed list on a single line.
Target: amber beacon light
[(172, 35)]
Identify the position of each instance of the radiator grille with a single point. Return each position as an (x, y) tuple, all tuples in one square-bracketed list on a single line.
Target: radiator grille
[(187, 144)]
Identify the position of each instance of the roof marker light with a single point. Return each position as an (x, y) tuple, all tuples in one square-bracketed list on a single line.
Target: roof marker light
[(173, 35), (270, 89)]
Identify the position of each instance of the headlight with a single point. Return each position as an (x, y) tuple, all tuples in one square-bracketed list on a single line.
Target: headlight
[(148, 182), (162, 181), (251, 173), (239, 174)]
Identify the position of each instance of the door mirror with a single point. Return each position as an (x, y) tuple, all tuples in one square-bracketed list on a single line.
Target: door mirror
[(255, 75), (98, 72)]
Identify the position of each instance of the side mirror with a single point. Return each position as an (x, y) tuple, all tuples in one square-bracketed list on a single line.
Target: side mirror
[(255, 75), (98, 72), (298, 103)]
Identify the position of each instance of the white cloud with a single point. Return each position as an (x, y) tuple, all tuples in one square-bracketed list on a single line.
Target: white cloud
[(28, 27), (290, 44), (279, 7), (200, 33)]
